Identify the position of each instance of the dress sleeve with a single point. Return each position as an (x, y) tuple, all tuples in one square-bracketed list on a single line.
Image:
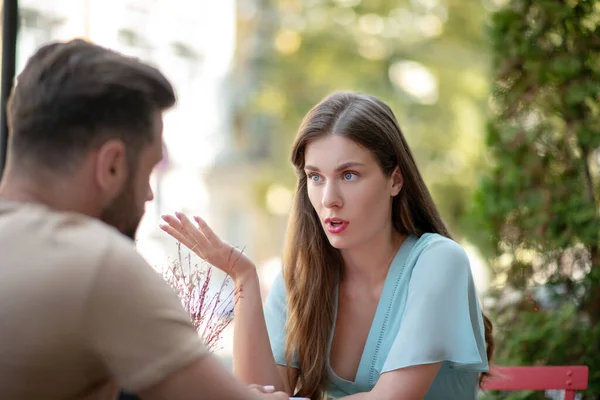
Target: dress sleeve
[(276, 317), (442, 319)]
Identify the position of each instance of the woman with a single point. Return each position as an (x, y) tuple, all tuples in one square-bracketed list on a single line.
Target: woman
[(375, 300)]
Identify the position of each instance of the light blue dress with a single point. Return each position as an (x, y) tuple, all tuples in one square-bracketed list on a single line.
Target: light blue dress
[(428, 312)]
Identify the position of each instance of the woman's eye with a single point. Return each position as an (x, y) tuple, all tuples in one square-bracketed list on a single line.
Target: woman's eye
[(313, 177), (349, 176)]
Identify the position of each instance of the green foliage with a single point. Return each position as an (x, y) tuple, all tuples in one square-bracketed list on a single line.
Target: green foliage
[(539, 203), (299, 51)]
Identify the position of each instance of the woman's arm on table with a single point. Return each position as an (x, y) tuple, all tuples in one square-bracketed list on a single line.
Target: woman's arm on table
[(410, 383)]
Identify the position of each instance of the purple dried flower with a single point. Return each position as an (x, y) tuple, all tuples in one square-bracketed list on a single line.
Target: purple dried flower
[(209, 312)]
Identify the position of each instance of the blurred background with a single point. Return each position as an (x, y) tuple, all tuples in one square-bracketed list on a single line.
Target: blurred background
[(498, 99)]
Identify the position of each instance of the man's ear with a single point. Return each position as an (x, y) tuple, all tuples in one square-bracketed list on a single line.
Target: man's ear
[(111, 168), (396, 182)]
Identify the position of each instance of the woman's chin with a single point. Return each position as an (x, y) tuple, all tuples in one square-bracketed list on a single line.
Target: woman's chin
[(337, 242)]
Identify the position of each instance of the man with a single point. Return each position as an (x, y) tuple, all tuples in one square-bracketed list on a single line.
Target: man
[(81, 313)]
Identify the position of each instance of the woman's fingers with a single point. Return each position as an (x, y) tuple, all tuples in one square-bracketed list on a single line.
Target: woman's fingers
[(206, 230), (178, 236), (202, 240), (201, 233), (190, 230), (181, 228), (269, 392), (261, 388), (173, 222)]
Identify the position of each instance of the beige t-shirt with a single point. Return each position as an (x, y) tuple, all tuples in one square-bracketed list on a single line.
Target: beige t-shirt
[(82, 315)]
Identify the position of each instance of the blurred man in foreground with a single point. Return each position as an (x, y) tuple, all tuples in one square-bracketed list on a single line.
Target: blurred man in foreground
[(82, 314)]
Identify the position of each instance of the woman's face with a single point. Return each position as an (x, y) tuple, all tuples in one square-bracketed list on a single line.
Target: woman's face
[(349, 191)]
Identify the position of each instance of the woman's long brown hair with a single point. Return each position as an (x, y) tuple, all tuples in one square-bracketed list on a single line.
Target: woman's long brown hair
[(312, 267)]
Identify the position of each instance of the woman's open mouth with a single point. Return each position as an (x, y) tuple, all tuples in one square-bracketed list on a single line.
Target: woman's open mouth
[(336, 225)]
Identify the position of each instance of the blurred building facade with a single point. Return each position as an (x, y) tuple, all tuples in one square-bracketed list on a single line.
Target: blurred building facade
[(207, 170), (238, 173)]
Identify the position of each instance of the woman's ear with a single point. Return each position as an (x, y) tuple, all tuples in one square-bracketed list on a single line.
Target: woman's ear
[(396, 182)]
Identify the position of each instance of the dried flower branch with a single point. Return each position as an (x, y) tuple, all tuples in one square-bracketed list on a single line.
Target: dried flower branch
[(210, 312)]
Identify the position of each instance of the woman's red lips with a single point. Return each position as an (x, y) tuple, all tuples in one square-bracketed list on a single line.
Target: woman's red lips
[(336, 225)]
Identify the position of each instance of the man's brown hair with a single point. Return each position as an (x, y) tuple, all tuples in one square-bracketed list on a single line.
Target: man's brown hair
[(73, 96)]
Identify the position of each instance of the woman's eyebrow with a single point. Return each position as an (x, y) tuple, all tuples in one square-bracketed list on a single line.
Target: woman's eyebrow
[(340, 167)]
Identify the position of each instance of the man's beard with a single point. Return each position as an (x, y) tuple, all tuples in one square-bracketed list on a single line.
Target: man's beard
[(122, 213)]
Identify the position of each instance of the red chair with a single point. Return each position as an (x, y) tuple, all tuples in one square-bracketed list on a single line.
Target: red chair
[(568, 378)]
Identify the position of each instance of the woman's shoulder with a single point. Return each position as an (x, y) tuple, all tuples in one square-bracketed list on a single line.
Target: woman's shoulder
[(439, 244), (433, 250)]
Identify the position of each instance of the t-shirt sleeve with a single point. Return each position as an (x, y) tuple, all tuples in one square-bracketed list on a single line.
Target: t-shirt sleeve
[(135, 323), (276, 318), (442, 319)]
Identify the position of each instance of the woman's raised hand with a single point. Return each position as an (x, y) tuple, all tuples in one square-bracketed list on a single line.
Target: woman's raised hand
[(203, 241)]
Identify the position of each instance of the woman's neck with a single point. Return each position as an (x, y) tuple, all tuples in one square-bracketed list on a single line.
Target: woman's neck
[(369, 263)]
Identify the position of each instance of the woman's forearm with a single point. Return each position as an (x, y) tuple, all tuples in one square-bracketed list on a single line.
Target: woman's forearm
[(253, 360)]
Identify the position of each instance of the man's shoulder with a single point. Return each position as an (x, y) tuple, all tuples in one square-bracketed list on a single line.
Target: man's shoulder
[(68, 238), (58, 255), (103, 248), (88, 237)]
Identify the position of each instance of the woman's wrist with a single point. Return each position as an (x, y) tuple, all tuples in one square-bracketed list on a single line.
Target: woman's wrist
[(242, 274)]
